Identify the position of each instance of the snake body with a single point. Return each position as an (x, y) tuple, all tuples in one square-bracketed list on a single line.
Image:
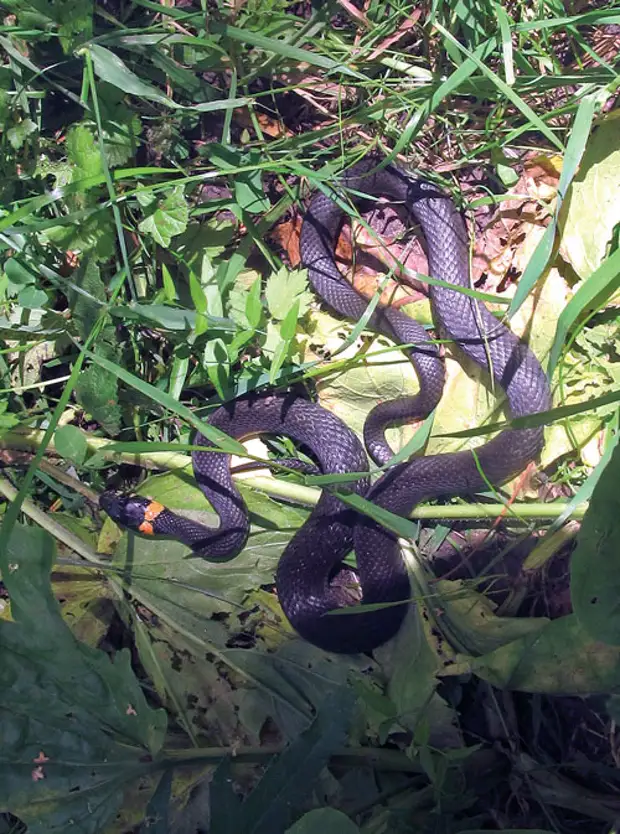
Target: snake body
[(314, 553)]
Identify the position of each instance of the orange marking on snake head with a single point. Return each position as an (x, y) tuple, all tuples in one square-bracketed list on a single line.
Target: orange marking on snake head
[(153, 510), (150, 514)]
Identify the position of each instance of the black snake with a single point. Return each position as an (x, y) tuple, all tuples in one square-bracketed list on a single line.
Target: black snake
[(332, 530)]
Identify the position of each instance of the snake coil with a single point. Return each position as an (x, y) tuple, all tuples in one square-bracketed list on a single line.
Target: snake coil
[(317, 549)]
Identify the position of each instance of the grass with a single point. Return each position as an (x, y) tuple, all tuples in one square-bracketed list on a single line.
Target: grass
[(156, 159)]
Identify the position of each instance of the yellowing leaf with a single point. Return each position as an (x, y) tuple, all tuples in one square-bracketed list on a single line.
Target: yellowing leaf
[(592, 208)]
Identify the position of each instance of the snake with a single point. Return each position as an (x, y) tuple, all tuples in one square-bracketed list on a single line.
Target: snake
[(304, 576)]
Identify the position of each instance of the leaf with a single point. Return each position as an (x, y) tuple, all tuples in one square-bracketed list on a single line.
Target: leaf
[(159, 569), (71, 444), (86, 598), (595, 563), (246, 292), (158, 809), (225, 814), (560, 659), (250, 193), (97, 388), (97, 391), (587, 234), (83, 152), (109, 67), (591, 295), (19, 133), (32, 299), (290, 777), (411, 666), (168, 317), (121, 129), (284, 288), (18, 273), (168, 217), (352, 393), (74, 724), (470, 617), (323, 821), (215, 359)]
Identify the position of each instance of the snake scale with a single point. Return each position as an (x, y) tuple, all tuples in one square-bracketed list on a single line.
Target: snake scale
[(333, 530)]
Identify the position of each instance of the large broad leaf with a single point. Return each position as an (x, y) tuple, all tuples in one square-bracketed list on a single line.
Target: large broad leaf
[(560, 659), (288, 780), (75, 726), (586, 233), (169, 577), (595, 564)]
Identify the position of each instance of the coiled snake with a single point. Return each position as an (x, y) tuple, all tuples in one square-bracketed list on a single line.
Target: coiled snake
[(317, 549)]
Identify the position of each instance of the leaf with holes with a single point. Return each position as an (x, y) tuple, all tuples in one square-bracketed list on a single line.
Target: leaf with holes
[(75, 725)]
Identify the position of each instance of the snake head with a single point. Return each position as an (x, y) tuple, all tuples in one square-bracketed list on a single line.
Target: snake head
[(128, 511)]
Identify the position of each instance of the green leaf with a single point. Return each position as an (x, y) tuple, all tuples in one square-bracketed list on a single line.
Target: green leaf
[(167, 218), (71, 444), (217, 365), (97, 388), (32, 299), (560, 659), (18, 273), (324, 821), (284, 288), (18, 134), (75, 725), (572, 157), (168, 317), (109, 67), (121, 129), (97, 391), (289, 324), (595, 564), (87, 298), (83, 152), (593, 294), (253, 305), (161, 571), (290, 777), (7, 420), (250, 193)]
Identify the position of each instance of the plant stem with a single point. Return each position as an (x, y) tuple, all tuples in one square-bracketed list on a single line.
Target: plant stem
[(288, 490)]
